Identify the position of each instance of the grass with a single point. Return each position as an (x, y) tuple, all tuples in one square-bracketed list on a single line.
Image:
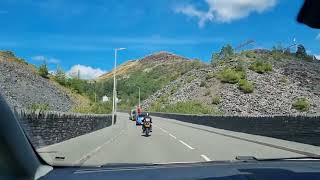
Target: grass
[(284, 80), (39, 106), (207, 93), (260, 67), (188, 107), (245, 86), (216, 100), (210, 75), (230, 75), (191, 78), (301, 104), (203, 84)]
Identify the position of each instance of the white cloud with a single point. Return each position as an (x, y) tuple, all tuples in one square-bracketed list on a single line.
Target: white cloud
[(86, 72), (317, 56), (226, 10), (46, 59)]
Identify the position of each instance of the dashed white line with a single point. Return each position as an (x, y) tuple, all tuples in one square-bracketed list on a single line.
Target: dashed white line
[(205, 157), (186, 144), (172, 136)]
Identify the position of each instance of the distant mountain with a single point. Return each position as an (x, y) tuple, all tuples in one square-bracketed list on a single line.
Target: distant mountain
[(24, 88), (258, 82), (150, 73)]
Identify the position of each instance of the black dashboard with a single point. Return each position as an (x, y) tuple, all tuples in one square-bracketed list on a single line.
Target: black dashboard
[(284, 170)]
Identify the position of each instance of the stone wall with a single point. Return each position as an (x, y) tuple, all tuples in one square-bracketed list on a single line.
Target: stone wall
[(46, 128), (303, 129)]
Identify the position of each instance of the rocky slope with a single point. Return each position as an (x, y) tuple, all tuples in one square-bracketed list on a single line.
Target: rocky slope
[(23, 87), (274, 92)]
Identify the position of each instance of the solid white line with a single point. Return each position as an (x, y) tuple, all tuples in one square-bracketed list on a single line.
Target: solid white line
[(172, 136), (186, 144), (205, 157)]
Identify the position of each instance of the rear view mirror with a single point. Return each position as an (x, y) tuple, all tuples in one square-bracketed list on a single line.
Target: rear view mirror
[(310, 14)]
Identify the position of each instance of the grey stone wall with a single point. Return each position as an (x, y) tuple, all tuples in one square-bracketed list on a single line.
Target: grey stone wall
[(304, 129), (46, 128)]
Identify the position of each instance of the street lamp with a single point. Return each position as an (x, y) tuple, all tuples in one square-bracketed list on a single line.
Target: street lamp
[(114, 82)]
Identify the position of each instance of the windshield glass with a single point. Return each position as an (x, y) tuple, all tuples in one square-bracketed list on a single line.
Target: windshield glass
[(107, 82)]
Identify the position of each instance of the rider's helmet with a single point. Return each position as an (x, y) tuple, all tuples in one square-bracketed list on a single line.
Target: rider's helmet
[(147, 114)]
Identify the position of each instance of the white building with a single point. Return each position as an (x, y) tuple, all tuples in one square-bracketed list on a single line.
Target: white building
[(105, 98)]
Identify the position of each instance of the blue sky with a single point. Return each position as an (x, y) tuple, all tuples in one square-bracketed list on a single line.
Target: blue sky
[(86, 32)]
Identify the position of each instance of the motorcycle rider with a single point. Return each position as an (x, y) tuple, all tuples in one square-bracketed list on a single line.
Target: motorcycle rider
[(147, 118)]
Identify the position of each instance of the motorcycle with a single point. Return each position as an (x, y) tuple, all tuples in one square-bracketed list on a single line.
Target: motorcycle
[(146, 128)]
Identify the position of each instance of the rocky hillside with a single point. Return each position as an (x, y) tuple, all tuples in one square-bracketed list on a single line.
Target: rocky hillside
[(276, 91), (24, 88), (149, 73)]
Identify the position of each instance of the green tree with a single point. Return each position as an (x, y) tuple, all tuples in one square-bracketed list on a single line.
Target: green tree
[(60, 76), (226, 53), (43, 71), (301, 51)]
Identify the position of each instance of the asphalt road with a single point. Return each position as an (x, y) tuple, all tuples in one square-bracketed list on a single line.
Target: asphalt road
[(171, 141)]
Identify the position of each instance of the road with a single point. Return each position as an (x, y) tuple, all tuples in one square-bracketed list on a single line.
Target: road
[(171, 141)]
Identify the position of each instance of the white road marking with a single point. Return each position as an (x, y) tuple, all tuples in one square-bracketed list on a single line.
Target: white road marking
[(172, 136), (164, 131), (88, 155), (205, 157), (186, 144)]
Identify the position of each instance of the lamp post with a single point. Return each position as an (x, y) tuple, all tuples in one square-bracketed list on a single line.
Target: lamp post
[(114, 82)]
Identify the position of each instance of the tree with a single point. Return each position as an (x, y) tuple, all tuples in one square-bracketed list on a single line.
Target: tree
[(301, 51), (60, 76), (226, 53), (43, 71)]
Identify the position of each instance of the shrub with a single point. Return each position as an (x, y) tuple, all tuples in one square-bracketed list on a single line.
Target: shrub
[(95, 108), (301, 104), (229, 75), (284, 79), (245, 86), (191, 78), (188, 107), (203, 84), (210, 75), (60, 77), (216, 100), (207, 93), (43, 71), (260, 67), (39, 106), (196, 64)]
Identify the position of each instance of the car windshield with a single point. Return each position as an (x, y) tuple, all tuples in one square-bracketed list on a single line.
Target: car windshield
[(217, 80)]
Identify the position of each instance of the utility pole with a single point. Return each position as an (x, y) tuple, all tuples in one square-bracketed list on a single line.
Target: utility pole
[(139, 97), (114, 83)]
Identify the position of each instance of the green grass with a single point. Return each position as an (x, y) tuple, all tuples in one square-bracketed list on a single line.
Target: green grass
[(191, 78), (210, 75), (188, 107), (216, 100), (260, 67), (230, 75), (39, 106), (301, 104), (245, 86)]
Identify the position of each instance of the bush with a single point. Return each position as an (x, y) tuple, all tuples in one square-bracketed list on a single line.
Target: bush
[(188, 107), (210, 75), (39, 106), (260, 67), (216, 100), (284, 79), (229, 75), (301, 104), (43, 71), (191, 78), (207, 93), (60, 77), (203, 84), (245, 86)]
